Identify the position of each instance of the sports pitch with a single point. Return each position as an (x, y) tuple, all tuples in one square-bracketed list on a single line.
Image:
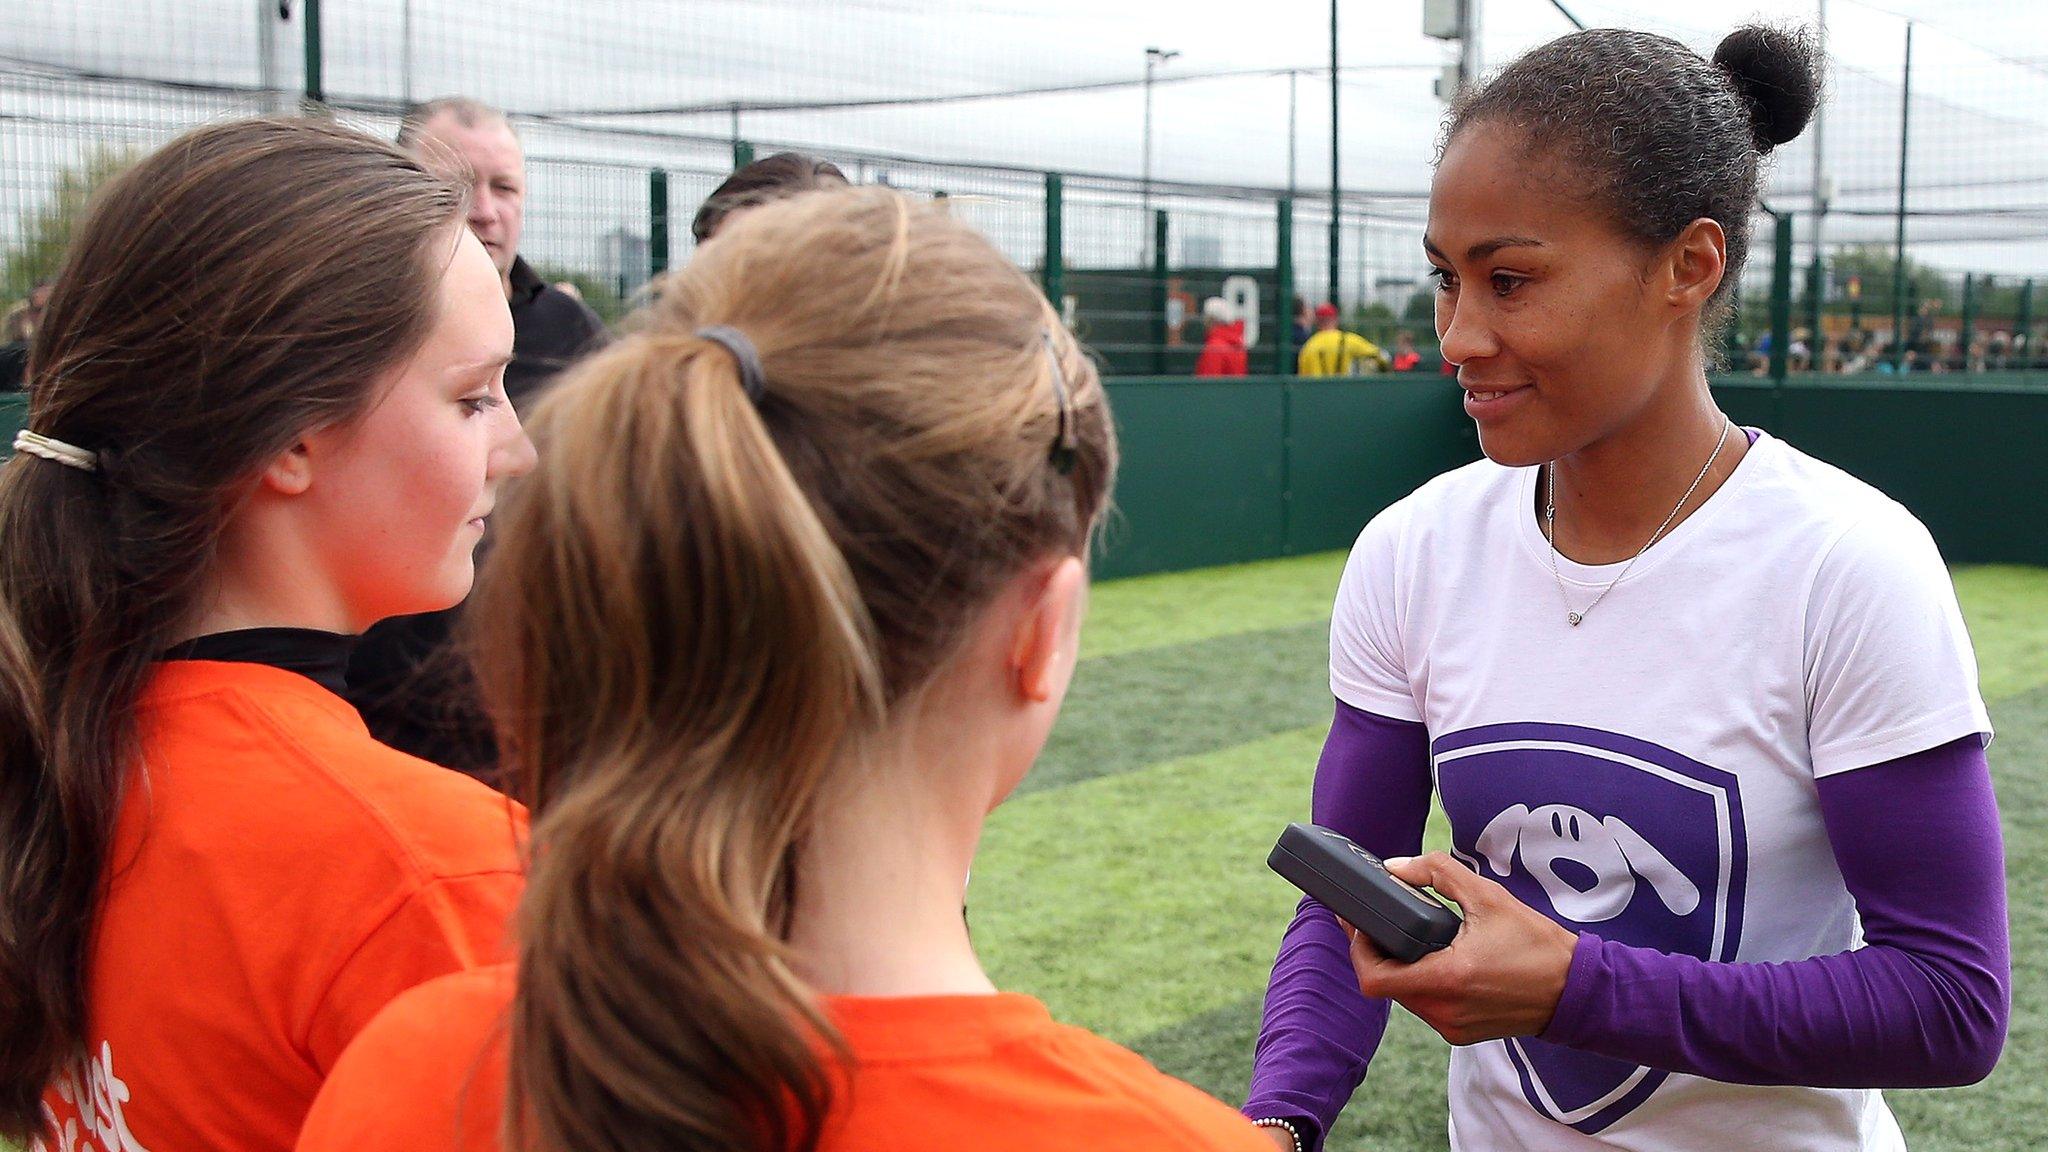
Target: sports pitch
[(1126, 885)]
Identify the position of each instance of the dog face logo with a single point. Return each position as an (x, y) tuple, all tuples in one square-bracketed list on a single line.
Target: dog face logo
[(1605, 857), (1599, 831)]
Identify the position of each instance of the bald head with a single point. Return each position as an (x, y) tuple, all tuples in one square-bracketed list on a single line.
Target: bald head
[(458, 135), (465, 112)]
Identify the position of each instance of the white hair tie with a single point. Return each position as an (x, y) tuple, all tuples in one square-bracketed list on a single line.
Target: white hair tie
[(56, 451)]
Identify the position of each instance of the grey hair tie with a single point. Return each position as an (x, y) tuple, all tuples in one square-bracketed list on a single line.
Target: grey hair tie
[(752, 379)]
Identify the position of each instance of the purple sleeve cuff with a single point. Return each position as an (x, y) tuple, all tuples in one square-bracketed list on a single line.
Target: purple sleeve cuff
[(1578, 1018), (1923, 1004), (1319, 1030)]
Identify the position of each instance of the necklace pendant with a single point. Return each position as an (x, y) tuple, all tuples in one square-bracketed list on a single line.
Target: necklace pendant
[(1573, 618)]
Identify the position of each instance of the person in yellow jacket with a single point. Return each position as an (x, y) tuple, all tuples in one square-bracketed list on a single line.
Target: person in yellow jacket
[(1335, 352)]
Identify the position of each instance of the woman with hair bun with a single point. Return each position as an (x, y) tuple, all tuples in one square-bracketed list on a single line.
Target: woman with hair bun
[(1701, 709)]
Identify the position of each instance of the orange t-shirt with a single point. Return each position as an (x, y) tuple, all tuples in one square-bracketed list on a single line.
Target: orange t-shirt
[(938, 1073), (276, 878)]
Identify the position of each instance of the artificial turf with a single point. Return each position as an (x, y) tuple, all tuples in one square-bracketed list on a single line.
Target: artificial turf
[(1126, 884)]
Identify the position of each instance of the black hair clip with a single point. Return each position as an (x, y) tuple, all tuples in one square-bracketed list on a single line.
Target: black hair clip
[(1065, 447)]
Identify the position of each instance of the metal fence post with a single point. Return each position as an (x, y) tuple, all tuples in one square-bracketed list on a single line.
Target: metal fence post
[(1055, 243), (1913, 325), (1781, 300), (2020, 328), (742, 154), (316, 90), (1968, 333), (1283, 288), (1899, 259), (1816, 284), (1159, 291), (1336, 168), (1287, 465), (657, 222)]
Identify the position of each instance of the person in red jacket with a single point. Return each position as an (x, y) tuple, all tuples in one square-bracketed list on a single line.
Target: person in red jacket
[(1406, 358), (1223, 349)]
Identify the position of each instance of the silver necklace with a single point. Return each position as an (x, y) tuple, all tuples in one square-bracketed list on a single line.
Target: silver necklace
[(1550, 529)]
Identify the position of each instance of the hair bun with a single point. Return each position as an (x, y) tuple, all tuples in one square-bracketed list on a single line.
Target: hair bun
[(1777, 72)]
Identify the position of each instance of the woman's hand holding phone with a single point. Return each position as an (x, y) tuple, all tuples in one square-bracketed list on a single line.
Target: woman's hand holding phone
[(1503, 974)]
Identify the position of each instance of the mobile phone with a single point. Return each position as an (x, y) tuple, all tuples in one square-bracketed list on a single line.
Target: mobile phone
[(1403, 921)]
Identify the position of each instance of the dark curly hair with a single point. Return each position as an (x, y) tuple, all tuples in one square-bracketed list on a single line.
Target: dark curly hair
[(1659, 136), (771, 178)]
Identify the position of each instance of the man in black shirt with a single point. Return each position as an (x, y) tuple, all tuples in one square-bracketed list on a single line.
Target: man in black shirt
[(406, 677), (550, 327)]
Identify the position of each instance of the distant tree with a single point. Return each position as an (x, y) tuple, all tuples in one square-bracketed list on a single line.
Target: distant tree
[(1872, 267), (1421, 308), (1869, 269), (2000, 299), (45, 231), (1375, 322)]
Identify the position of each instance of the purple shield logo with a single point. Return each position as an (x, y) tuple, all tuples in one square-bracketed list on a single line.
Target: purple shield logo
[(1605, 833)]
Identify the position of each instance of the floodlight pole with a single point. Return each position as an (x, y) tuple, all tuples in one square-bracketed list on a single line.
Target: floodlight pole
[(1153, 58), (267, 17), (405, 54), (316, 89), (1468, 44), (1899, 258), (1459, 20), (1820, 122), (1292, 77), (1336, 184), (1818, 277)]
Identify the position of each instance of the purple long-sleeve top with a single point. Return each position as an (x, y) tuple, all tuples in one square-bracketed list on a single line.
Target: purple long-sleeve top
[(1924, 1003)]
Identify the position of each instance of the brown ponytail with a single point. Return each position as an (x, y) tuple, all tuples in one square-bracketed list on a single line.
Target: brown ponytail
[(244, 284), (699, 607)]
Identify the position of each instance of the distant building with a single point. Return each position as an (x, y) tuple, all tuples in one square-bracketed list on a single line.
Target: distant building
[(1394, 291), (622, 261)]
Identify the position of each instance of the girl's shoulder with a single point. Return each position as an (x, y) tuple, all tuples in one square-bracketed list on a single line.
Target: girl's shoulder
[(428, 1073)]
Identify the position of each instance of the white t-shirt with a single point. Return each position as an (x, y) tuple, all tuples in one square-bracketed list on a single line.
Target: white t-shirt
[(1648, 776)]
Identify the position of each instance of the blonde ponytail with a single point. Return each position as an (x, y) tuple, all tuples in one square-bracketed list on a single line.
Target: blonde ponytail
[(701, 604)]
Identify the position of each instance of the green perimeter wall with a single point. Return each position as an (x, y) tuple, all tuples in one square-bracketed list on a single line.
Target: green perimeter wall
[(1219, 472), (1223, 471), (1970, 459)]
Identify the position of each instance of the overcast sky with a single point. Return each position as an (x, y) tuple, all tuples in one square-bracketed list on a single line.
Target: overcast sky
[(1980, 79)]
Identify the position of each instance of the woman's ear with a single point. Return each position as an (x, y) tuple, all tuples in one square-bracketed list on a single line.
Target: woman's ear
[(1047, 632), (290, 472), (1695, 263)]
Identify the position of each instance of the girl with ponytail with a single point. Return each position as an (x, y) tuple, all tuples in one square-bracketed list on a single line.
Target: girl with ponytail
[(792, 606), (267, 412)]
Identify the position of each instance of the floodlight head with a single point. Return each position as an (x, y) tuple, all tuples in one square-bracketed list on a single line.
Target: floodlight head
[(1160, 54), (1443, 19)]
